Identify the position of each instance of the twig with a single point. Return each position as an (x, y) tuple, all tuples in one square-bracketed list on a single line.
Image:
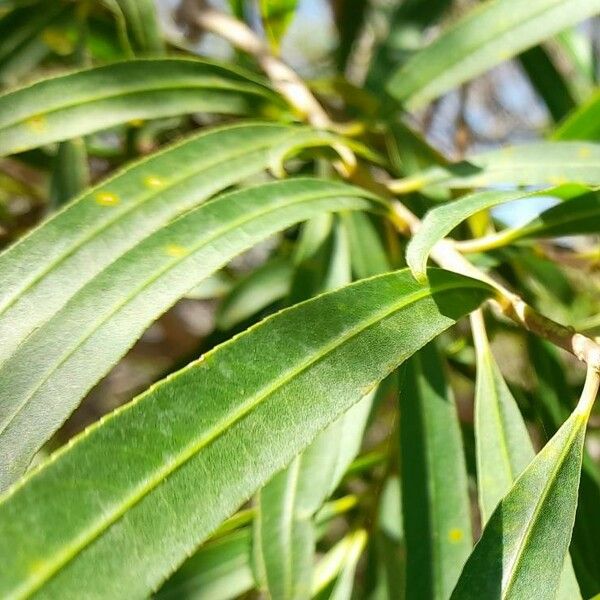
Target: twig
[(444, 253)]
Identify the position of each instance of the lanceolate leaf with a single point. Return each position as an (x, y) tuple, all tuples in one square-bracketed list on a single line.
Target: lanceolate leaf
[(435, 498), (292, 375), (503, 446), (583, 123), (489, 34), (284, 543), (442, 219), (51, 370), (96, 229), (524, 544), (79, 103), (535, 164)]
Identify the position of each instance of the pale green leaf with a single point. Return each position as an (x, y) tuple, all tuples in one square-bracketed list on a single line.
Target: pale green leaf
[(486, 36), (533, 164), (79, 103), (442, 219), (290, 376), (48, 374), (435, 498)]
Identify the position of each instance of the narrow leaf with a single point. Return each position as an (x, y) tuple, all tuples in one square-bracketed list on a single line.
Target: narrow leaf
[(70, 175), (435, 498), (142, 25), (534, 164), (70, 105), (293, 374), (525, 542), (503, 445), (489, 34), (49, 373), (277, 16)]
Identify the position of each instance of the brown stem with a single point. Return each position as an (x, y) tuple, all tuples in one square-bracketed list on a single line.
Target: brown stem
[(444, 253)]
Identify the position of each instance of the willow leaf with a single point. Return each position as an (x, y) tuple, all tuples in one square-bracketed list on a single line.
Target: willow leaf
[(489, 34), (284, 544), (435, 498), (76, 244), (79, 103), (292, 375), (534, 164), (525, 542), (44, 379), (503, 446)]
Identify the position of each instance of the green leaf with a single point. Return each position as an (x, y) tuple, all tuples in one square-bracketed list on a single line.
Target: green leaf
[(70, 175), (218, 571), (291, 375), (255, 292), (435, 498), (92, 232), (525, 542), (49, 373), (79, 103), (442, 219), (583, 123), (574, 217), (548, 81), (142, 25), (489, 34), (367, 254), (277, 16), (284, 544), (534, 164)]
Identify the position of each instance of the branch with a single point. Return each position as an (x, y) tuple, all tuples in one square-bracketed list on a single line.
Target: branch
[(444, 253)]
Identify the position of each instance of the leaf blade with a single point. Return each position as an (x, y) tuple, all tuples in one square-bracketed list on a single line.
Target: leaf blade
[(56, 560)]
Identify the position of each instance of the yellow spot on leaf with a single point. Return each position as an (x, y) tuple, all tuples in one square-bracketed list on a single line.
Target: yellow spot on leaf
[(36, 123), (584, 152), (154, 182), (175, 250), (107, 198), (37, 567), (455, 535), (136, 122)]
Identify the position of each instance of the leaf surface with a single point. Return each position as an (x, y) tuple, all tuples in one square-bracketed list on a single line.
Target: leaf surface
[(534, 164), (435, 498), (486, 36), (204, 429), (48, 374), (79, 103)]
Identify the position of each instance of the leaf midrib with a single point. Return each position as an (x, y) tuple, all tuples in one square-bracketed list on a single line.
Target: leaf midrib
[(129, 209), (219, 85), (227, 228), (219, 429), (515, 564)]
